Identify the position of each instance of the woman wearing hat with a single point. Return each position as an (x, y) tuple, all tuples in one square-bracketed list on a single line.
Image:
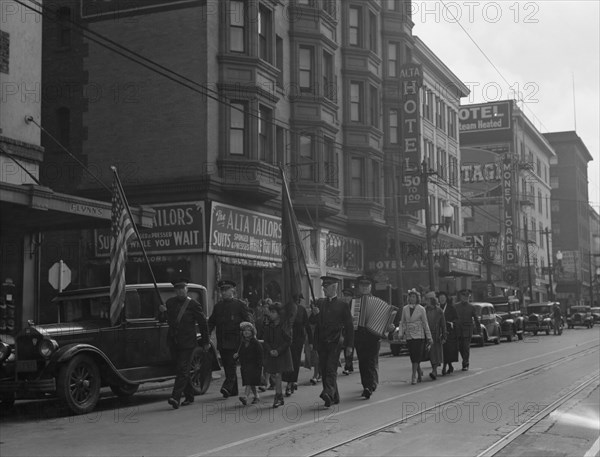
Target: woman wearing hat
[(437, 326), (415, 328), (277, 341), (450, 347), (300, 330), (250, 355)]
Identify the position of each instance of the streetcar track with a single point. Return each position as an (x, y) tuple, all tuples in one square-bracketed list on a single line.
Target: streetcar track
[(524, 374), (380, 429)]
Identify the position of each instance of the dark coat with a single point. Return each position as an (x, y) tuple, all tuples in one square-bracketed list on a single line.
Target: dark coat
[(182, 335), (226, 319), (276, 336), (300, 326), (467, 319), (251, 362), (334, 318), (451, 345)]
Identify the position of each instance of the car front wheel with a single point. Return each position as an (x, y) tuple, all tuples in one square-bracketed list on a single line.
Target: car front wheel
[(200, 370), (78, 384)]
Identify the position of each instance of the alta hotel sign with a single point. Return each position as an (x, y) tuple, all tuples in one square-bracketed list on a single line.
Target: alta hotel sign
[(238, 232)]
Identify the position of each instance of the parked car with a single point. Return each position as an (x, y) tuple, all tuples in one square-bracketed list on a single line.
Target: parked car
[(595, 310), (512, 322), (490, 327), (82, 352), (580, 315), (539, 317)]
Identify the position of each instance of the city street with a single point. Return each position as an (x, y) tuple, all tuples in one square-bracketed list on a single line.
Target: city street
[(460, 414)]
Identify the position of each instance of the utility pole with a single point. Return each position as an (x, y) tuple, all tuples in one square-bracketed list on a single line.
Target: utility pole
[(424, 178), (527, 257), (550, 266)]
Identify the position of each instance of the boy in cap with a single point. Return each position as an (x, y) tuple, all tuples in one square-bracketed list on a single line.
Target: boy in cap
[(226, 318), (182, 315), (331, 317)]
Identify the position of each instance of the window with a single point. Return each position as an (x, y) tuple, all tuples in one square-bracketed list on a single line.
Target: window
[(440, 114), (451, 123), (374, 106), (355, 102), (305, 68), (372, 31), (376, 182), (427, 104), (554, 182), (555, 204), (63, 117), (453, 171), (354, 37), (540, 202), (329, 7), (393, 124), (329, 84), (356, 177), (330, 162), (4, 51), (307, 161), (279, 59), (237, 129), (265, 147), (264, 34), (237, 26), (64, 27), (442, 163), (281, 145), (392, 60)]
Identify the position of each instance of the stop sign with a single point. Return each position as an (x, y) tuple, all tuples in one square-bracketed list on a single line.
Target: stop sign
[(59, 275)]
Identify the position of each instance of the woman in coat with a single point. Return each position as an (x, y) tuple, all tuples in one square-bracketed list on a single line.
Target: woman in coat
[(277, 341), (300, 330), (437, 326), (415, 328), (450, 348)]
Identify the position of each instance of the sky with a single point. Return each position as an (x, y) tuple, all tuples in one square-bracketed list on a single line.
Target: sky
[(546, 51)]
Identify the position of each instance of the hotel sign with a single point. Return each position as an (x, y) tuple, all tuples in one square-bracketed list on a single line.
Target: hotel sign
[(485, 117), (412, 187)]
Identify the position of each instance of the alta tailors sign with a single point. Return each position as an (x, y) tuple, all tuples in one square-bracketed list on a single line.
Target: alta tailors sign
[(177, 228)]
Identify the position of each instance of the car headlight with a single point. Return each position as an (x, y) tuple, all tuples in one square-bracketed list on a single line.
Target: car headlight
[(5, 351), (47, 347)]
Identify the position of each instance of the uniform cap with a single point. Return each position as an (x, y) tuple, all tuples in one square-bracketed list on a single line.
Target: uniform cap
[(348, 291), (464, 291), (364, 279), (226, 284), (328, 280), (181, 282)]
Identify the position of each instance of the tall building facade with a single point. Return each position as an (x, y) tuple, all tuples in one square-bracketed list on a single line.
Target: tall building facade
[(570, 217), (202, 102), (505, 176)]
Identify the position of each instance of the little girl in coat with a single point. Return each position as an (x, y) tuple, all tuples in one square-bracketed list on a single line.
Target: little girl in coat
[(250, 355), (277, 341)]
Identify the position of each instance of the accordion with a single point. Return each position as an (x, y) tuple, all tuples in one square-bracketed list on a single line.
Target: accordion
[(372, 313)]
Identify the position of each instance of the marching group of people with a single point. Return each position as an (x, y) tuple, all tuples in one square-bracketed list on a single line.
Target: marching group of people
[(268, 341)]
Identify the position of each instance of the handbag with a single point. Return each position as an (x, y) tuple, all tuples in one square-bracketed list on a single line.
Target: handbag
[(426, 350)]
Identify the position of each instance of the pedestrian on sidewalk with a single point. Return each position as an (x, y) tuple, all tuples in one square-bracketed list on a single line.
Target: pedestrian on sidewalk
[(250, 355), (332, 319), (300, 331), (450, 348), (437, 326), (277, 341), (467, 324), (348, 294), (415, 328), (183, 313)]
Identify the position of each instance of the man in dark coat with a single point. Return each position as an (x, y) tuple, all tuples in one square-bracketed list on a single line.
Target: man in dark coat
[(183, 313), (367, 347), (332, 318), (467, 324), (226, 318)]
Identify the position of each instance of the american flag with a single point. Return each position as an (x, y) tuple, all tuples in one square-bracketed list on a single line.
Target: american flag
[(122, 230)]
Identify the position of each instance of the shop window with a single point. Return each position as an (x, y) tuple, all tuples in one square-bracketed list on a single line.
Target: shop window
[(343, 252)]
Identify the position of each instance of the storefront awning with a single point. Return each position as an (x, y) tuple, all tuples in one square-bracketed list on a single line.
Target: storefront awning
[(453, 266), (30, 207)]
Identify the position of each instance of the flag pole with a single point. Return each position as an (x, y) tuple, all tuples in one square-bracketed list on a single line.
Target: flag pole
[(288, 197), (137, 233)]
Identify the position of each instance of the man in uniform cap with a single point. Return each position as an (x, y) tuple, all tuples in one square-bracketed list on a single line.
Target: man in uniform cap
[(467, 324), (226, 318), (367, 346), (331, 317), (183, 313)]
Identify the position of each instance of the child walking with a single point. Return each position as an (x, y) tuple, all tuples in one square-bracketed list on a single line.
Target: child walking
[(277, 341), (250, 355)]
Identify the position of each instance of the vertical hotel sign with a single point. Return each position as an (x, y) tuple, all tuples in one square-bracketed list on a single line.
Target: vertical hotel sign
[(412, 188)]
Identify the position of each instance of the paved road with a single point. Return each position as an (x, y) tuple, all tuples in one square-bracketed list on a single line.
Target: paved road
[(148, 426)]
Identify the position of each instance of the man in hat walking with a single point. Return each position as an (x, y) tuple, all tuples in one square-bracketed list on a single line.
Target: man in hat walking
[(467, 324), (367, 347), (331, 317), (226, 318), (183, 313)]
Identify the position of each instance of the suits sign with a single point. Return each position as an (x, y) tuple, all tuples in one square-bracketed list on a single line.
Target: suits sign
[(412, 187)]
